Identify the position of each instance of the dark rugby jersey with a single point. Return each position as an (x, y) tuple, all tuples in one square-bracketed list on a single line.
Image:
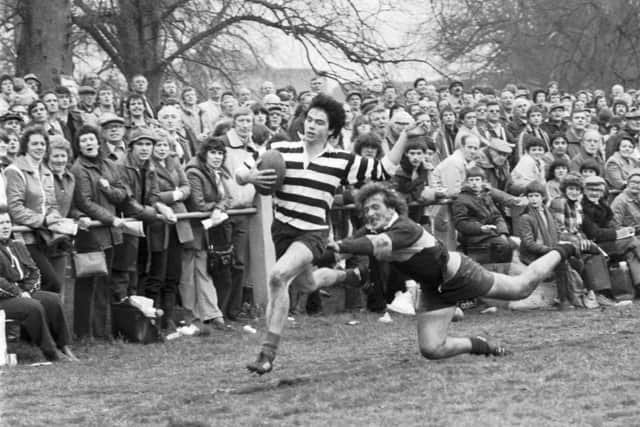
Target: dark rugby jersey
[(308, 190), (407, 245)]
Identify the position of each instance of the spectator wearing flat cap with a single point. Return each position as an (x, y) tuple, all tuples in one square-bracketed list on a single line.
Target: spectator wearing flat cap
[(456, 88), (275, 124), (555, 123), (87, 105), (138, 174), (98, 191), (622, 161), (12, 121), (569, 217), (493, 160), (112, 129), (33, 82)]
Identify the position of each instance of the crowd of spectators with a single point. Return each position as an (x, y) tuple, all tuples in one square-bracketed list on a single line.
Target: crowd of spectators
[(487, 171)]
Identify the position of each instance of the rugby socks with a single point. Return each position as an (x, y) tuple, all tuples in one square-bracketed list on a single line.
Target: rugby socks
[(270, 345), (479, 346), (566, 250)]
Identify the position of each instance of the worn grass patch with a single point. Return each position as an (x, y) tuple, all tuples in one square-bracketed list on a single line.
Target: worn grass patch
[(577, 368)]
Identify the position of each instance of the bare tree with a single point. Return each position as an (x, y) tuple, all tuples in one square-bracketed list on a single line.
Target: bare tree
[(43, 38), (159, 36), (577, 42)]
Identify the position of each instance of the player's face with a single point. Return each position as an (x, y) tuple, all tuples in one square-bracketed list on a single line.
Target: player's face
[(377, 213), (316, 126)]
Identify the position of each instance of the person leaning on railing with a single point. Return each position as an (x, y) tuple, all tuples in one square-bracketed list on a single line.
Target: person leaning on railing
[(97, 193), (208, 194), (165, 240), (31, 201)]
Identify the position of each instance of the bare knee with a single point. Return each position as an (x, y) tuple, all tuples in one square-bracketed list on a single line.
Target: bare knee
[(433, 351), (277, 279)]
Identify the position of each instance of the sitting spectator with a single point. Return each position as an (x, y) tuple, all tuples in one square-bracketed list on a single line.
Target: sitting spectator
[(622, 162), (493, 160), (479, 223), (600, 227), (626, 205), (538, 235), (39, 312), (589, 150), (556, 171), (530, 167), (413, 177), (568, 214), (589, 168), (451, 174)]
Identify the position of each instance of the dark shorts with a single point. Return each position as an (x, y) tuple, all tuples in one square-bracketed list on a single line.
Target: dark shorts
[(284, 235), (470, 281)]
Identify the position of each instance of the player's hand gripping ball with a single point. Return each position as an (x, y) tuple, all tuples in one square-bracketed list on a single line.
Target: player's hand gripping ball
[(273, 160)]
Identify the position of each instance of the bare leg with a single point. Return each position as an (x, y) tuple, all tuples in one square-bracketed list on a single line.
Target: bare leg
[(432, 335), (295, 260), (325, 277), (521, 286)]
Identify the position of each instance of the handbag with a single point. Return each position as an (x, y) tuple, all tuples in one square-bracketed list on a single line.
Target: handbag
[(219, 247), (90, 264)]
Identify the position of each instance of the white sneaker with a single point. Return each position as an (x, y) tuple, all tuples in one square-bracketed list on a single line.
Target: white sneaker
[(589, 300), (624, 303), (458, 315), (403, 304), (386, 318), (189, 330)]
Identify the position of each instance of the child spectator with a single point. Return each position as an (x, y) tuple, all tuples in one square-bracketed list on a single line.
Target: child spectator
[(413, 176)]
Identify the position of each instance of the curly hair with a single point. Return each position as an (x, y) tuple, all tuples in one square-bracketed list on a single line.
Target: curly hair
[(390, 197), (26, 136)]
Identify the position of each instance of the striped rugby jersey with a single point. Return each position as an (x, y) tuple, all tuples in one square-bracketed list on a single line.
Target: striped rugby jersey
[(307, 193)]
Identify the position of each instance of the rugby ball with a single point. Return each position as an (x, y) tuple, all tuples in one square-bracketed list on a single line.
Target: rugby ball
[(272, 159)]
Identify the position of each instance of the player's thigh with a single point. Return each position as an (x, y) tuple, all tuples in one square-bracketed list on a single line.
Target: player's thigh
[(506, 287), (294, 261), (433, 327)]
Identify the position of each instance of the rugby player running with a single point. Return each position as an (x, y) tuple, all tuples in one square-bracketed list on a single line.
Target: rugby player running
[(445, 277), (314, 171)]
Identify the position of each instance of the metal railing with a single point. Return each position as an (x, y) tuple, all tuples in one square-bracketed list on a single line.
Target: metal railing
[(180, 216)]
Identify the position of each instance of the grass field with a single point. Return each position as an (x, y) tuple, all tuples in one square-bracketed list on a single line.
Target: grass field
[(576, 368)]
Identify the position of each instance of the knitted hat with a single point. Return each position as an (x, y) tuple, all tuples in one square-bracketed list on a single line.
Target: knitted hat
[(571, 180), (535, 187)]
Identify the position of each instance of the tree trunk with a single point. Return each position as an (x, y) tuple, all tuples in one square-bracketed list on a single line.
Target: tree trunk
[(43, 40), (138, 29)]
